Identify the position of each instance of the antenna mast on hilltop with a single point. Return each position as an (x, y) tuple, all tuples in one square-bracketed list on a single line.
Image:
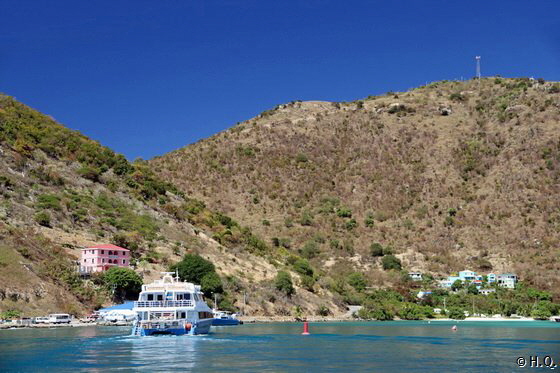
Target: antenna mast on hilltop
[(477, 67)]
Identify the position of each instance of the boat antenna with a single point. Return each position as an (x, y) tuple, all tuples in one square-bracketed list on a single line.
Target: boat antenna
[(176, 274)]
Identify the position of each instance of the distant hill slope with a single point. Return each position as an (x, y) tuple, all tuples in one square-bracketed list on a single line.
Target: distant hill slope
[(451, 175), (60, 191)]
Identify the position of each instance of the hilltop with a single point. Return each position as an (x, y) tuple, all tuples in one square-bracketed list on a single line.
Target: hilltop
[(448, 176), (61, 191)]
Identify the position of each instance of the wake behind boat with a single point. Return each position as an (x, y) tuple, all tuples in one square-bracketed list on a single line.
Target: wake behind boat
[(169, 306)]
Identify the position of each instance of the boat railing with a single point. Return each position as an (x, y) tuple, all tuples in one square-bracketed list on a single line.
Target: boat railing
[(166, 303), (160, 324)]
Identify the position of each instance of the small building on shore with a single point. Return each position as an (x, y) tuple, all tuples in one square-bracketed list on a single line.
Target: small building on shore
[(100, 258), (415, 276)]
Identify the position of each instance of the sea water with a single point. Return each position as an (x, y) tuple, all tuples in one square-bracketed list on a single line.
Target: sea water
[(396, 346)]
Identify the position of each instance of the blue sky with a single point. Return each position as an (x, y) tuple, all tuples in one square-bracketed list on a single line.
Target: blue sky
[(147, 77)]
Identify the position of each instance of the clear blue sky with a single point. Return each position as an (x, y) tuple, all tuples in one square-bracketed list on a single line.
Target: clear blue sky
[(146, 77)]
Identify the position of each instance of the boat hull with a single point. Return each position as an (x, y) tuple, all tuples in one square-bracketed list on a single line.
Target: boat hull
[(223, 322), (199, 327)]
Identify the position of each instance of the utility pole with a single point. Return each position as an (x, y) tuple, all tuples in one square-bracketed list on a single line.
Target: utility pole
[(444, 307), (477, 66), (215, 301)]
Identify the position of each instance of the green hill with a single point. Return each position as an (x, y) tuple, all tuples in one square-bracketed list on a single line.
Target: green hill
[(60, 191)]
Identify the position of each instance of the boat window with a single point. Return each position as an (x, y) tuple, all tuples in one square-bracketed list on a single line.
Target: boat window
[(150, 297), (160, 297)]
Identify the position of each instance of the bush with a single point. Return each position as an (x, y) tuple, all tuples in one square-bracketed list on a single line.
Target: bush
[(344, 212), (369, 221), (302, 267), (323, 310), (357, 280), (310, 250), (306, 219), (376, 249), (301, 158), (10, 315), (43, 218), (307, 283), (90, 173), (283, 282), (457, 97), (391, 262), (351, 224), (48, 202)]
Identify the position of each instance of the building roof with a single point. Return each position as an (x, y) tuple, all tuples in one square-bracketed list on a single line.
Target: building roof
[(106, 246)]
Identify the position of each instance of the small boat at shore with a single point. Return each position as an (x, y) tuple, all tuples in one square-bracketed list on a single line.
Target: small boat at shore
[(169, 306), (222, 318)]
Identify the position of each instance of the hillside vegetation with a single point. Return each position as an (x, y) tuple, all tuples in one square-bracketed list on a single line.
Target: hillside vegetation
[(449, 176), (60, 191)]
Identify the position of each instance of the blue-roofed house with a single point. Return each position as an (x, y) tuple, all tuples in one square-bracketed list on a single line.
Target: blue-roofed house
[(491, 277)]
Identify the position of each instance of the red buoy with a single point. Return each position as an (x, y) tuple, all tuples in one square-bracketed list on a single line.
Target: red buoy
[(305, 328)]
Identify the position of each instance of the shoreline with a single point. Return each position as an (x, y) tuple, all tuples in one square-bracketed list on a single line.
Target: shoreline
[(268, 320), (285, 319)]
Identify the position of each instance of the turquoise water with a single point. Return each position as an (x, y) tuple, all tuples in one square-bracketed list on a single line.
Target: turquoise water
[(358, 346)]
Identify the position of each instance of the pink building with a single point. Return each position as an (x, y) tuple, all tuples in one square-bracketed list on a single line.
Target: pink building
[(100, 258)]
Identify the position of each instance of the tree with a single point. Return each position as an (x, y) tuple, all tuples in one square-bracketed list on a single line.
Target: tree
[(211, 283), (193, 268), (391, 262), (541, 313), (456, 313), (411, 311), (283, 282), (125, 281), (472, 289), (458, 284)]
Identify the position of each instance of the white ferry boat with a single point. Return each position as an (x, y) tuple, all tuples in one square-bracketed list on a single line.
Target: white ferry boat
[(168, 306)]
